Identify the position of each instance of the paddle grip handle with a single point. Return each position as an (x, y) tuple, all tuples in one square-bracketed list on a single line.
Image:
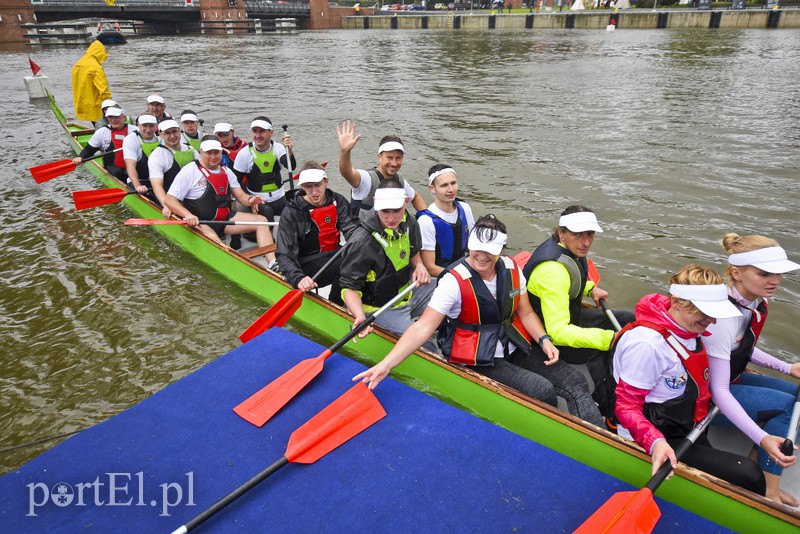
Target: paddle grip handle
[(787, 447), (664, 471), (610, 315), (232, 496)]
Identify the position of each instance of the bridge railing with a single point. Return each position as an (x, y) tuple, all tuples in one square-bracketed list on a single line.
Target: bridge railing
[(118, 3)]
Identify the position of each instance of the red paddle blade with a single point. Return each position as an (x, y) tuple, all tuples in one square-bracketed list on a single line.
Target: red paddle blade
[(344, 418), (277, 315), (522, 258), (594, 275), (48, 171), (626, 512), (151, 222), (97, 197), (259, 408)]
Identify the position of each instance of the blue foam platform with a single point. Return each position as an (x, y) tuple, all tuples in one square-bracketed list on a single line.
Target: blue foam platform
[(426, 467)]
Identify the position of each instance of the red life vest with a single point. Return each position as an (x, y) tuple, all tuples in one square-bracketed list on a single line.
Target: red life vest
[(215, 203), (117, 137), (326, 219), (471, 339)]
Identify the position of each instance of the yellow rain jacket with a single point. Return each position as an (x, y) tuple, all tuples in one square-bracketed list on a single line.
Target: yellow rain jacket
[(89, 84)]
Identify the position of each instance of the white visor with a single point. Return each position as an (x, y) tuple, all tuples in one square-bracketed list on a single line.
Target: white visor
[(211, 144), (258, 123), (435, 175), (189, 117), (115, 112), (156, 98), (772, 260), (311, 176), (223, 127), (389, 198), (163, 126), (709, 299), (582, 221), (493, 247), (108, 103), (147, 119), (391, 145)]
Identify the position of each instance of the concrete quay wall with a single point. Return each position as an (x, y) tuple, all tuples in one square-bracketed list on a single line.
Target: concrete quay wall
[(633, 19)]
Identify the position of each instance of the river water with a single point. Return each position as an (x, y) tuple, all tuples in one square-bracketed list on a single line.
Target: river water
[(673, 137)]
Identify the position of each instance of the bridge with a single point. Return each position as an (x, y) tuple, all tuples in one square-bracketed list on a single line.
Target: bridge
[(161, 12)]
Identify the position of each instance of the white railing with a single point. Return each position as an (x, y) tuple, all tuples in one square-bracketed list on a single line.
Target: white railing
[(118, 3)]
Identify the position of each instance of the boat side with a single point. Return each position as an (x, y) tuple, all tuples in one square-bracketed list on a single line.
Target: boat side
[(692, 489)]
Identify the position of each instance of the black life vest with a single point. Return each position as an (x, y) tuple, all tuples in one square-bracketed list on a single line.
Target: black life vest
[(578, 274), (265, 175), (740, 357), (376, 178), (215, 203)]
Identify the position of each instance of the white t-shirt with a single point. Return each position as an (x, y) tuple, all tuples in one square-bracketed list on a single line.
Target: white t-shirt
[(132, 146), (190, 183), (244, 163), (428, 230), (446, 297), (362, 191), (645, 360), (102, 137), (160, 161)]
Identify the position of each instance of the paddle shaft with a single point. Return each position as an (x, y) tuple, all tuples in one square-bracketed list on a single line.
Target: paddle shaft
[(288, 160), (664, 471), (787, 447), (100, 155), (328, 263), (610, 315), (232, 496), (162, 222)]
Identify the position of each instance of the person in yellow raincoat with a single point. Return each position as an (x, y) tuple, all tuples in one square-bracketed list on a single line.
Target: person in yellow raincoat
[(89, 84)]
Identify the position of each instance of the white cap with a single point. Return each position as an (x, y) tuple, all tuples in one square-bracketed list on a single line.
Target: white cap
[(771, 259), (189, 117), (709, 299), (391, 145), (163, 126), (259, 123), (493, 247), (156, 98), (311, 176), (210, 144), (581, 221), (107, 103), (114, 112), (223, 127), (389, 198), (147, 119)]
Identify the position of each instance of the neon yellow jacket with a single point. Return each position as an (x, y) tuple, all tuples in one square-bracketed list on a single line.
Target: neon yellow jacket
[(89, 84), (550, 282)]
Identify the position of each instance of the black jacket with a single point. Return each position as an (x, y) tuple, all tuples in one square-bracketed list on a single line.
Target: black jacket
[(297, 232)]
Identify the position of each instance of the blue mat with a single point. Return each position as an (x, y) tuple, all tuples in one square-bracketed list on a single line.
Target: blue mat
[(426, 467)]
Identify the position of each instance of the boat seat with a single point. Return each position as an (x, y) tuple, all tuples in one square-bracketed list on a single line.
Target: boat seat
[(260, 251)]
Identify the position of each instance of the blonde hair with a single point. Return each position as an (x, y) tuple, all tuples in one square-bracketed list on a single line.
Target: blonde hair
[(697, 275), (733, 243)]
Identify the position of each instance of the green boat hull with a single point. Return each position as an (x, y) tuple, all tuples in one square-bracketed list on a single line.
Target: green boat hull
[(699, 493)]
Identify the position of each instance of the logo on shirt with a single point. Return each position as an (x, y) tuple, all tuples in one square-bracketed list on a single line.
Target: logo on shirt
[(328, 219), (201, 182), (676, 382), (514, 293), (403, 254)]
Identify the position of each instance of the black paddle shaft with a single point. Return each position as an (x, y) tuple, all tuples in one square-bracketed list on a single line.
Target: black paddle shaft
[(235, 494), (665, 469), (288, 160)]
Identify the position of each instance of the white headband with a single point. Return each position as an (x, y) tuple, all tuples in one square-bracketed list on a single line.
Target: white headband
[(155, 99), (493, 247), (389, 198), (189, 117), (712, 300), (580, 221), (391, 145), (211, 144), (437, 174), (770, 259), (311, 176), (167, 124), (259, 123)]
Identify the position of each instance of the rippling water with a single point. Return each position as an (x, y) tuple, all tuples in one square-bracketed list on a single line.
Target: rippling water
[(673, 137)]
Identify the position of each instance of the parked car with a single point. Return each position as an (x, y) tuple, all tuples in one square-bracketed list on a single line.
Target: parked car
[(457, 6), (440, 6), (414, 7)]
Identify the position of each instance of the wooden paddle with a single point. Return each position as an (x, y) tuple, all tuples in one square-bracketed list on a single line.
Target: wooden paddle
[(787, 447), (156, 222), (92, 198), (260, 407), (344, 418), (48, 171), (281, 311), (636, 511)]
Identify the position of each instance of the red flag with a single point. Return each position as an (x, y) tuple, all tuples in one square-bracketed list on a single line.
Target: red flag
[(34, 67)]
